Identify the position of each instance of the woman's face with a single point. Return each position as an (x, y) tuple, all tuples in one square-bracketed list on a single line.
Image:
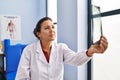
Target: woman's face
[(47, 32)]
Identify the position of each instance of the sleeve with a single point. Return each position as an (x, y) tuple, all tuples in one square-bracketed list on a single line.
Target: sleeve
[(74, 58), (23, 71)]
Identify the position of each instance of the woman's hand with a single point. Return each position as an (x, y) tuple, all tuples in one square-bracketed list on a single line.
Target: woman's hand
[(98, 47)]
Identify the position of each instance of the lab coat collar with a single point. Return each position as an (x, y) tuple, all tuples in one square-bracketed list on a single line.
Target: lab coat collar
[(52, 53), (38, 47), (39, 53)]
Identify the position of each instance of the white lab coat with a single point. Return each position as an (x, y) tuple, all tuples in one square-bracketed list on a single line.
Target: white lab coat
[(34, 66)]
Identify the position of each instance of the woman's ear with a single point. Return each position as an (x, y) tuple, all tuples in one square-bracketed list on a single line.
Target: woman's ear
[(38, 34)]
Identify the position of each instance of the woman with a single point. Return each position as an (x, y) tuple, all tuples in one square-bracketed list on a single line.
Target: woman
[(44, 60)]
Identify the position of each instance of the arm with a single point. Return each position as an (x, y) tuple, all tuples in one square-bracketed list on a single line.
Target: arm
[(73, 58), (70, 57)]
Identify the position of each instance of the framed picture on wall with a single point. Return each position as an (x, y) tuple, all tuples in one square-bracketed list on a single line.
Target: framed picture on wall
[(10, 27)]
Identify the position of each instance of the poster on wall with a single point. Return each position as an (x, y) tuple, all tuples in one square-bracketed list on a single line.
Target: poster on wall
[(10, 27)]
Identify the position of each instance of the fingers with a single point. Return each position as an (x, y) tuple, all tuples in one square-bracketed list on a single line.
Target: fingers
[(103, 44), (100, 46), (104, 41)]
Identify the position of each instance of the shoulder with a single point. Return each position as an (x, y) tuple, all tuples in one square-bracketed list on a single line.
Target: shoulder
[(31, 46), (61, 45)]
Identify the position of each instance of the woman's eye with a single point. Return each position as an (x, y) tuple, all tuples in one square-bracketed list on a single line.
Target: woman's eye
[(47, 27)]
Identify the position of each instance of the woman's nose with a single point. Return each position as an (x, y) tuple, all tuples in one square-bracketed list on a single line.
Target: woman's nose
[(52, 29)]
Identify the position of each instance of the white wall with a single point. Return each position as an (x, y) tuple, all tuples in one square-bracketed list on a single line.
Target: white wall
[(29, 11)]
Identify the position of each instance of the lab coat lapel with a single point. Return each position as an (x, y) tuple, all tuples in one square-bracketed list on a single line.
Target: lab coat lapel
[(40, 53), (53, 54)]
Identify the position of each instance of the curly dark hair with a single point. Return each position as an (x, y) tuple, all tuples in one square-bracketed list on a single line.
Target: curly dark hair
[(38, 25)]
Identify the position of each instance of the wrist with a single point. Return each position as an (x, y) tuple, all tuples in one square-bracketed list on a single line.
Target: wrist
[(89, 53)]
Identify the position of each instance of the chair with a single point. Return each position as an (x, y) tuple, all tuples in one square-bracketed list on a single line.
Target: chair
[(13, 54)]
